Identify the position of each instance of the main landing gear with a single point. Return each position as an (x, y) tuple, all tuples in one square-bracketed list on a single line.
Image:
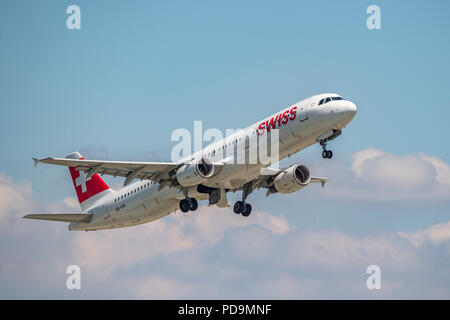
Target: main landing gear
[(326, 154), (243, 208), (188, 204)]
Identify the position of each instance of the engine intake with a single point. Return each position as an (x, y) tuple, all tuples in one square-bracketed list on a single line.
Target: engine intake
[(195, 172), (292, 179)]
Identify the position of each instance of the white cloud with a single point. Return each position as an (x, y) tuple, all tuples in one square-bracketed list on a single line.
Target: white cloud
[(361, 156), (328, 248), (156, 287), (71, 202), (106, 251), (442, 169), (286, 286), (385, 169), (437, 234), (109, 250), (378, 176), (13, 196)]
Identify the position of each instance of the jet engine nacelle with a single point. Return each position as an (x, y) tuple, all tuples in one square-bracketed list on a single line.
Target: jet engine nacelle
[(195, 172), (292, 179)]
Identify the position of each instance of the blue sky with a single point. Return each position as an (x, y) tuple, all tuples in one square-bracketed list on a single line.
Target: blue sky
[(117, 88)]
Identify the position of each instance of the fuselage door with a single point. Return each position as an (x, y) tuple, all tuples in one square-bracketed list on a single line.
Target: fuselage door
[(302, 111)]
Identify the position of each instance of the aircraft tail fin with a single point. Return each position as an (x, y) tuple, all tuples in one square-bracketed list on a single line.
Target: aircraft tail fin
[(89, 188)]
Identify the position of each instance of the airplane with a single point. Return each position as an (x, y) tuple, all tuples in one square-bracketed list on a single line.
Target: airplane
[(209, 174)]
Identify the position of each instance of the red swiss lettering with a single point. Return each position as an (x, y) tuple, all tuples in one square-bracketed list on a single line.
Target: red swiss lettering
[(293, 113), (261, 128), (285, 117)]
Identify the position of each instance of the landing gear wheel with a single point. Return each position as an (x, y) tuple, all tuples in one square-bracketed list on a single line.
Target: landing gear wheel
[(185, 205), (247, 209), (238, 207), (193, 204), (326, 154)]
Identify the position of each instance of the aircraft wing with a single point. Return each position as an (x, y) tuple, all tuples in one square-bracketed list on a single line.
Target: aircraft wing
[(63, 217), (266, 178), (155, 171)]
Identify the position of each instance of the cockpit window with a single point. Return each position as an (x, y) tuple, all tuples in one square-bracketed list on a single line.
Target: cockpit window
[(325, 100)]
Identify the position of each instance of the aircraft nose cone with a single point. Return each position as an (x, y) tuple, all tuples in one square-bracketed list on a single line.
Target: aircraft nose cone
[(350, 109), (353, 108)]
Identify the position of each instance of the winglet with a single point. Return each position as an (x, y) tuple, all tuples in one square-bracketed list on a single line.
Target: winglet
[(36, 161), (319, 179)]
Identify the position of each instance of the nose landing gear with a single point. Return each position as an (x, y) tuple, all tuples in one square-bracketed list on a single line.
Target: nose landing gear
[(323, 139), (326, 154)]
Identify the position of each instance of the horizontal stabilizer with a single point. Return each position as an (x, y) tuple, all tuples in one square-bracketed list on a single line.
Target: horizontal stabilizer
[(64, 217)]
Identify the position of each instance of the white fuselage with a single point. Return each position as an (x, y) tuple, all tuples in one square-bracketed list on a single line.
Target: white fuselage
[(142, 201)]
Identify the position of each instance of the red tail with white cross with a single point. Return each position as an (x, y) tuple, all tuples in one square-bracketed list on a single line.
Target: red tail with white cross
[(85, 187)]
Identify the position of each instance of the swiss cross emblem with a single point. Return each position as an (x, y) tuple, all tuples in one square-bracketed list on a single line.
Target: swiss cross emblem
[(81, 181)]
